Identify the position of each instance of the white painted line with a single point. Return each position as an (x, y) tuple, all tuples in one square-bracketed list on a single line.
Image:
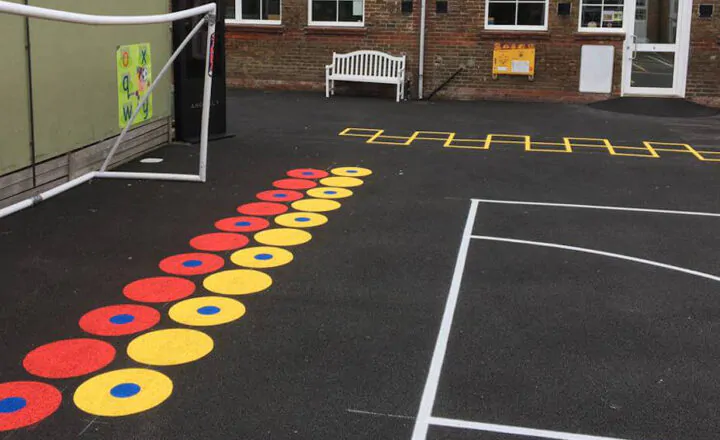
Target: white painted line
[(606, 254), (371, 413), (610, 208), (431, 384), (151, 160), (505, 429)]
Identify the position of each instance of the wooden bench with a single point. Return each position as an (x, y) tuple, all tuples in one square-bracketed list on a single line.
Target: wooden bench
[(368, 66)]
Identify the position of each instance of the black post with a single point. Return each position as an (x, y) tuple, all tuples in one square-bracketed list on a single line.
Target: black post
[(190, 75)]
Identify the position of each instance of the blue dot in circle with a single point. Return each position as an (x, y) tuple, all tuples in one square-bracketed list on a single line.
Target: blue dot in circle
[(330, 192), (12, 404), (263, 257), (192, 263), (302, 219), (125, 390), (122, 319), (307, 173), (208, 310), (280, 195), (352, 171), (243, 224)]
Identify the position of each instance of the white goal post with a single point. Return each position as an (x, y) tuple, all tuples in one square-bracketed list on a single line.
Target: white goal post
[(209, 13)]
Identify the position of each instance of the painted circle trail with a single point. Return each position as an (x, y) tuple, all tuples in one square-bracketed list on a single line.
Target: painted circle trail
[(262, 208), (316, 205), (307, 173), (219, 241), (69, 358), (329, 192), (242, 224), (237, 282), (283, 237), (206, 311), (280, 196), (123, 392), (159, 289), (134, 390), (301, 219), (294, 184), (351, 172), (262, 257), (191, 264), (342, 182), (170, 347), (119, 320), (26, 403)]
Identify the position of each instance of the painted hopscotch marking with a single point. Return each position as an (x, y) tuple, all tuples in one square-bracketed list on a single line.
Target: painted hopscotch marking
[(424, 417), (649, 149)]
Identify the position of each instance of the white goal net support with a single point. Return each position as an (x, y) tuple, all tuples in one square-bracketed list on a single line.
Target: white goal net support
[(208, 12)]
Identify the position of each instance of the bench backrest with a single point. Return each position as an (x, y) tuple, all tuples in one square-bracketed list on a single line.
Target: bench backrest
[(368, 63)]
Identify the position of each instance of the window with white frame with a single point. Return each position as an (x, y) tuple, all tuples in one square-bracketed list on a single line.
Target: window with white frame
[(601, 15), (527, 15), (336, 12), (253, 11)]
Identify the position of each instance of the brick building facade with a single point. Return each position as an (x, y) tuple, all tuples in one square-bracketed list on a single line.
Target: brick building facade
[(278, 45)]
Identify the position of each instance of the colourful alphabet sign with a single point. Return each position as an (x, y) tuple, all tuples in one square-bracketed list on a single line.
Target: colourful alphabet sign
[(134, 75)]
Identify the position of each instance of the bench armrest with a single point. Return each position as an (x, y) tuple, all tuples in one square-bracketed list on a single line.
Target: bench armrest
[(329, 67)]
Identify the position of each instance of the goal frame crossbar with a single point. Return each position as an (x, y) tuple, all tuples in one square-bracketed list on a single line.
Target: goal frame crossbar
[(209, 14)]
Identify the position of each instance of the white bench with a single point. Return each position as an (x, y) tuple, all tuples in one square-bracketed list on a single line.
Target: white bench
[(368, 66)]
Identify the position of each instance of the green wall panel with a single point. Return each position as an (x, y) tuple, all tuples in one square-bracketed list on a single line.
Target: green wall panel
[(15, 114), (74, 72)]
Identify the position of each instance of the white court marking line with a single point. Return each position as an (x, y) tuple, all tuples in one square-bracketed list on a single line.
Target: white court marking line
[(422, 422), (609, 208), (505, 429), (151, 160), (596, 252), (372, 413)]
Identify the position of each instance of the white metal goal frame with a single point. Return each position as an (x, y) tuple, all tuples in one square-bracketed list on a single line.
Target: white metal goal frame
[(209, 13)]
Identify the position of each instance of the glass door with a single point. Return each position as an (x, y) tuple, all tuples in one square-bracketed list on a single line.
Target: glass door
[(656, 47)]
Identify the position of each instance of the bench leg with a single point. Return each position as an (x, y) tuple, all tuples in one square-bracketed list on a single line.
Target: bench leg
[(332, 87), (327, 86), (397, 93)]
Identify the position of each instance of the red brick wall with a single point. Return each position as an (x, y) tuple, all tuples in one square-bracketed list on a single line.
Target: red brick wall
[(293, 56)]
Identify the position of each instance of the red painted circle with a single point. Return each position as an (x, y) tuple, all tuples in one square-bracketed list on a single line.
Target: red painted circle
[(219, 241), (281, 195), (294, 184), (191, 264), (41, 400), (159, 289), (119, 320), (69, 358), (307, 173), (242, 224), (262, 208)]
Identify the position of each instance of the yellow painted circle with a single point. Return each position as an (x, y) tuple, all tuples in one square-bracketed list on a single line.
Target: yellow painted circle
[(207, 310), (283, 237), (261, 257), (237, 282), (329, 192), (351, 171), (342, 182), (301, 219), (173, 346), (316, 205), (97, 396)]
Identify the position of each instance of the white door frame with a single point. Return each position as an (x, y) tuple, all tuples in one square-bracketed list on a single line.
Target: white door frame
[(681, 49)]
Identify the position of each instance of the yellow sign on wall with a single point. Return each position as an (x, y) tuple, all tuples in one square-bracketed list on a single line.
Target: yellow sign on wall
[(134, 75), (514, 59)]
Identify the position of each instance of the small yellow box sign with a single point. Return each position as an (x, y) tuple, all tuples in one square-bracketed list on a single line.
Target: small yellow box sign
[(514, 59)]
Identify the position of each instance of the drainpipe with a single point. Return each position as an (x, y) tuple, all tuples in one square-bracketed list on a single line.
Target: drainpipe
[(422, 49)]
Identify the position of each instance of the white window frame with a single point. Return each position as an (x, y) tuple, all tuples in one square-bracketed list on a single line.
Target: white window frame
[(239, 20), (601, 30), (354, 24), (512, 27)]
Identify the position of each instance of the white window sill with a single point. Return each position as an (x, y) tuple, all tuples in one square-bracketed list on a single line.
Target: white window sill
[(340, 24), (491, 27), (599, 30), (254, 22)]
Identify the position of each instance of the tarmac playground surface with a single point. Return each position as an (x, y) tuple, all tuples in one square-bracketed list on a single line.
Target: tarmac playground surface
[(507, 271)]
